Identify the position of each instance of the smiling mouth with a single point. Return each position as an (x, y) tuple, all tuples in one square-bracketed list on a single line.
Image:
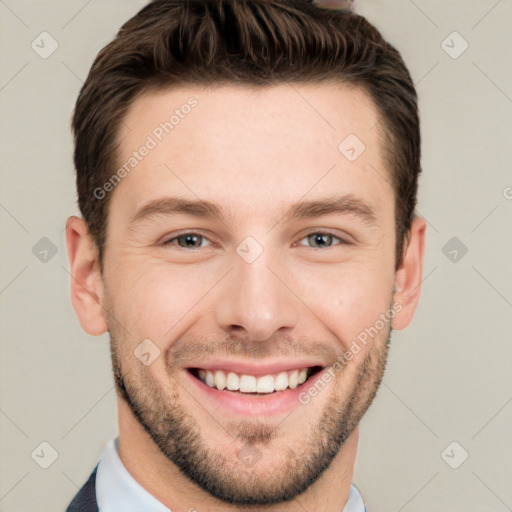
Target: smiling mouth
[(224, 380)]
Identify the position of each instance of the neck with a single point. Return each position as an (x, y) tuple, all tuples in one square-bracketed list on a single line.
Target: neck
[(162, 478)]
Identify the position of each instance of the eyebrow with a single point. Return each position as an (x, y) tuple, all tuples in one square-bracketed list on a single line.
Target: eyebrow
[(176, 206), (345, 205)]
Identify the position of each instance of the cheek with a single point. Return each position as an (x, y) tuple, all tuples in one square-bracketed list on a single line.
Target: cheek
[(348, 298), (152, 297)]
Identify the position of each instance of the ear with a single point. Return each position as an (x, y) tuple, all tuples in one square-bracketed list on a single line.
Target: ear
[(87, 289), (409, 275)]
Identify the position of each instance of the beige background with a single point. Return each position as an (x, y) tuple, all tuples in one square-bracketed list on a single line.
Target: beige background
[(449, 375)]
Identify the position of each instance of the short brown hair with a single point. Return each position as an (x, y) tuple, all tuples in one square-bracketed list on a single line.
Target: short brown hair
[(252, 42)]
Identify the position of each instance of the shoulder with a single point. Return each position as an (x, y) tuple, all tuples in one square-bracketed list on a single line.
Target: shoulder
[(85, 500)]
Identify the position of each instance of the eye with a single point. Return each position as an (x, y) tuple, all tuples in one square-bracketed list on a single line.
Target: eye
[(188, 241), (321, 239)]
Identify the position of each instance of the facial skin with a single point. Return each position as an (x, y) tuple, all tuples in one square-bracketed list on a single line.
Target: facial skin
[(254, 153)]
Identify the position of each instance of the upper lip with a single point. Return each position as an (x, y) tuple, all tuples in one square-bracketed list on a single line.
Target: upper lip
[(252, 367)]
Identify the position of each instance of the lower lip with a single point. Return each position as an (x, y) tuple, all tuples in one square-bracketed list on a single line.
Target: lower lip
[(279, 402)]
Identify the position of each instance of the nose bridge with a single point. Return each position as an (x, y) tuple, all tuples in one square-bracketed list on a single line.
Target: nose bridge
[(255, 299)]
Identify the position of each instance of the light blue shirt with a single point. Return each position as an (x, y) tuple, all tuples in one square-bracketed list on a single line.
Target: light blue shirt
[(118, 491)]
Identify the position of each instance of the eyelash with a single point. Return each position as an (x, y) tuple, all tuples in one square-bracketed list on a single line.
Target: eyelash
[(193, 233)]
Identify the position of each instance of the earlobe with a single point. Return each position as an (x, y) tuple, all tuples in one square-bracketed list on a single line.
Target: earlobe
[(87, 289), (408, 276)]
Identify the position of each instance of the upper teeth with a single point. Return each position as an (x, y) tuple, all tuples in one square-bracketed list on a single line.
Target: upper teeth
[(251, 384)]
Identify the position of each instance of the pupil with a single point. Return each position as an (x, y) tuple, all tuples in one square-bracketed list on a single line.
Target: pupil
[(190, 240), (322, 239)]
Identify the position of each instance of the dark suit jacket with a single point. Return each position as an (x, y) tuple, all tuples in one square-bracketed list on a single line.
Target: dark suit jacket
[(85, 500)]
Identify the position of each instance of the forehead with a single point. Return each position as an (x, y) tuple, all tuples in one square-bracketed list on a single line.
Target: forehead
[(247, 146)]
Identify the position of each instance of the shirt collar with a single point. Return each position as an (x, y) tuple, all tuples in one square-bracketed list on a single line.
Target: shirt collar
[(118, 491)]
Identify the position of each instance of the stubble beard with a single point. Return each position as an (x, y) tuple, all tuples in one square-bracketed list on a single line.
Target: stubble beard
[(178, 436)]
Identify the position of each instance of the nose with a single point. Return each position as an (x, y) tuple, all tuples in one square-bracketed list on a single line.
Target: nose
[(256, 300)]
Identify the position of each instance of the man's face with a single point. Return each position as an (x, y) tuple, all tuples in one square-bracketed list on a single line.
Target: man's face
[(258, 288)]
